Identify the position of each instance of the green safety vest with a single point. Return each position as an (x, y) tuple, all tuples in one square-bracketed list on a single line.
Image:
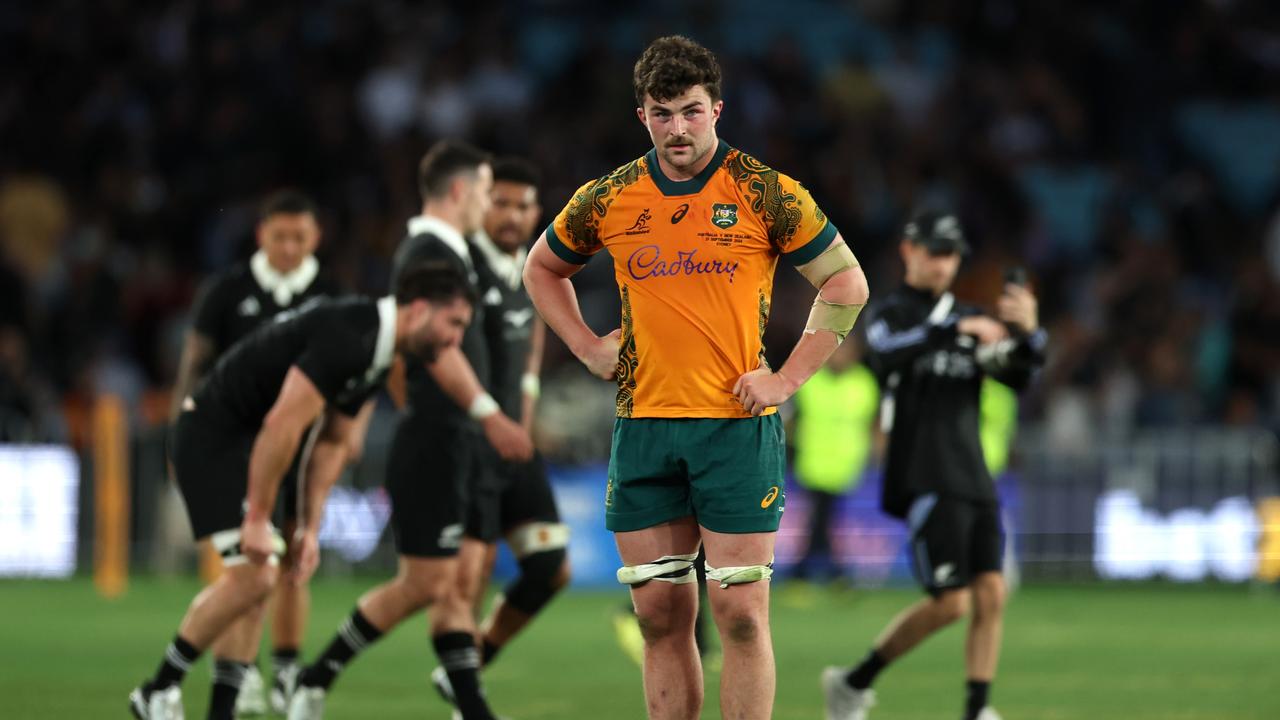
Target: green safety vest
[(997, 421), (835, 413)]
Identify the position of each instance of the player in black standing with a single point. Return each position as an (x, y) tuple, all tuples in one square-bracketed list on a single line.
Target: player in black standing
[(282, 274), (238, 433), (520, 507), (930, 354), (436, 458)]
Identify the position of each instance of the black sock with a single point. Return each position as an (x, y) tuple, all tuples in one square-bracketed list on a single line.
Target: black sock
[(861, 677), (975, 698), (283, 658), (488, 651), (178, 659), (458, 654), (227, 677), (354, 635)]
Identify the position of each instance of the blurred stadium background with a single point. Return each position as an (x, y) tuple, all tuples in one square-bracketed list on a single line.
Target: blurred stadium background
[(1127, 153)]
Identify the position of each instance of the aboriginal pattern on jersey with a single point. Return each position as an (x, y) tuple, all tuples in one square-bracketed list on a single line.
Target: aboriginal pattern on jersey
[(764, 325), (627, 360), (587, 209), (769, 199)]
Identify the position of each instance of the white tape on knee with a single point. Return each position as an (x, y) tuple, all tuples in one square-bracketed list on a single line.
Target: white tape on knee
[(739, 575), (674, 569), (227, 543), (536, 537)]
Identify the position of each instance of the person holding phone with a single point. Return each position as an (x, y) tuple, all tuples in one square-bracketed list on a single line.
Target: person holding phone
[(930, 355)]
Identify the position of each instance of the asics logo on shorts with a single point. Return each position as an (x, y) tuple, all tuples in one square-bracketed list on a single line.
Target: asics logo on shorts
[(768, 499)]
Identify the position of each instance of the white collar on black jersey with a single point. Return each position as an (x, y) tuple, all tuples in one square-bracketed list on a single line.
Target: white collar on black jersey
[(429, 224), (384, 349), (506, 266), (283, 286)]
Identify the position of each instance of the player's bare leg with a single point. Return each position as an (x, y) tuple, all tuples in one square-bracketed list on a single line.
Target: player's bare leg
[(235, 655), (240, 641), (921, 620), (236, 591), (419, 583), (982, 646), (472, 580), (504, 622), (290, 612), (544, 572), (672, 669), (848, 692), (741, 611), (239, 590), (290, 606), (453, 633)]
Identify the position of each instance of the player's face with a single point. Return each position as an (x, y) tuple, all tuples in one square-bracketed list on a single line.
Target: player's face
[(929, 270), (475, 199), (513, 214), (683, 128), (439, 326), (288, 238)]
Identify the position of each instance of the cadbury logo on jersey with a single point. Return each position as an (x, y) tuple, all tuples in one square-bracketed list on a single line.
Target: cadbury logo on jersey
[(647, 262)]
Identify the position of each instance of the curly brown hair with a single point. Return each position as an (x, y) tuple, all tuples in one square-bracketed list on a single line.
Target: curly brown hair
[(673, 64)]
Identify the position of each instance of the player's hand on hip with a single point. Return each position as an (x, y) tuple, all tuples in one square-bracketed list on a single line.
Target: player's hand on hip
[(1018, 307), (762, 389), (985, 329), (257, 540), (601, 358), (306, 555), (507, 437)]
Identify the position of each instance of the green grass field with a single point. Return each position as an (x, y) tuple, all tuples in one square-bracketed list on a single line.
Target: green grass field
[(1143, 652)]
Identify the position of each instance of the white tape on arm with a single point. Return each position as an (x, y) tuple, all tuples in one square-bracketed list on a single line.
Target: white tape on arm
[(482, 407)]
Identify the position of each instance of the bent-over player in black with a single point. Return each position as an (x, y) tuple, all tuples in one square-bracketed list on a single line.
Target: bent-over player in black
[(436, 461), (282, 274), (930, 354), (238, 433)]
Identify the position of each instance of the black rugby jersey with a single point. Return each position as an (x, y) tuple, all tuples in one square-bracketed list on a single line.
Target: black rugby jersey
[(343, 345), (931, 382), (508, 321), (232, 303), (432, 240)]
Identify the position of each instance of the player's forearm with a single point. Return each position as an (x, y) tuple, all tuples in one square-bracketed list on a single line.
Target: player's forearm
[(537, 341), (847, 288), (273, 451), (196, 351), (324, 467), (557, 302), (531, 383), (456, 377), (806, 358)]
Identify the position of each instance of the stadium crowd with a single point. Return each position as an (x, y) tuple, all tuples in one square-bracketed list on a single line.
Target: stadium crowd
[(1127, 153)]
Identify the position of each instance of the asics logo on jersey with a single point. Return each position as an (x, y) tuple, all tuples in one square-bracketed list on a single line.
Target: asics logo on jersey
[(647, 262), (249, 307), (679, 214), (770, 497)]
